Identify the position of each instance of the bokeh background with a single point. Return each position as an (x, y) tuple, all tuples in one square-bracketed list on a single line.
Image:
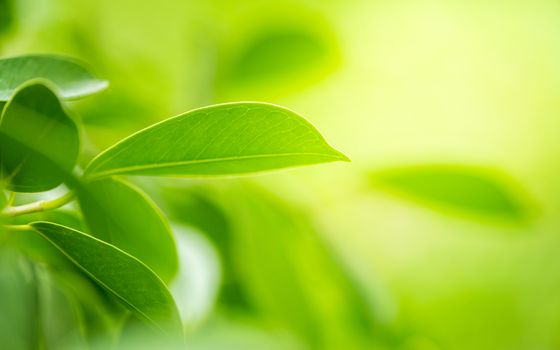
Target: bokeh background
[(325, 257)]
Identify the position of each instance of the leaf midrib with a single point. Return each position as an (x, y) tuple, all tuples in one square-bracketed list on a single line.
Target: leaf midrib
[(201, 161), (140, 312)]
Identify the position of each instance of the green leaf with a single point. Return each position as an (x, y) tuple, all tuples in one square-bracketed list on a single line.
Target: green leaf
[(7, 15), (121, 274), (120, 214), (18, 322), (39, 142), (287, 274), (57, 312), (283, 53), (226, 139), (70, 77), (463, 190), (36, 247)]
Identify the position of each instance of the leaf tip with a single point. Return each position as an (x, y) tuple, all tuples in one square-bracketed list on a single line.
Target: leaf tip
[(343, 157)]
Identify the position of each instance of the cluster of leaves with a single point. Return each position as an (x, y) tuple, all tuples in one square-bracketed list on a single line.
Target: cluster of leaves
[(125, 246), (116, 249)]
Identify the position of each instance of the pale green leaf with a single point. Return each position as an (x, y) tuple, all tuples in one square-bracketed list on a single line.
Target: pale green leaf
[(121, 214), (460, 189), (286, 273), (282, 53), (39, 142), (226, 139), (70, 77), (122, 275)]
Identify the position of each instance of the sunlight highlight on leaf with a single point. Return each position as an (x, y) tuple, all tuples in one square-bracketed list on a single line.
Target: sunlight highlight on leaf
[(226, 139)]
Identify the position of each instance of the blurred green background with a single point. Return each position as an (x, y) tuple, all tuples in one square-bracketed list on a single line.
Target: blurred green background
[(323, 257)]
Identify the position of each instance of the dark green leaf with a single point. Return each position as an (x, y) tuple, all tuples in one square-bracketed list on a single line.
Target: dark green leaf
[(70, 77), (463, 190), (6, 15), (227, 139), (39, 142), (120, 214), (119, 273)]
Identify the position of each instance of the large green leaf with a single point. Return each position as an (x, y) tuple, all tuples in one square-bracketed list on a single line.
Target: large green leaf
[(69, 75), (122, 275), (39, 142), (290, 275), (122, 215), (460, 189), (226, 139)]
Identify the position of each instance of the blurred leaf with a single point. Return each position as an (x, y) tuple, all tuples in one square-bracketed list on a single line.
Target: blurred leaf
[(18, 303), (463, 190), (6, 15), (57, 313), (227, 139), (194, 207), (280, 54), (39, 142), (122, 275), (198, 280), (292, 277), (121, 214), (70, 77)]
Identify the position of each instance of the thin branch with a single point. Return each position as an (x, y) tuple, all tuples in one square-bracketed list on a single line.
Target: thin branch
[(18, 227), (11, 199), (39, 206)]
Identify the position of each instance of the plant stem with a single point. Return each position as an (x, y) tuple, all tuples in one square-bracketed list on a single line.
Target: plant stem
[(18, 227), (11, 198), (39, 206)]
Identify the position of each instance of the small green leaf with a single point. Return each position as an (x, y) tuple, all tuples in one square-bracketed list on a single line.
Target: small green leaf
[(120, 214), (463, 190), (122, 275), (39, 142), (226, 139), (70, 77)]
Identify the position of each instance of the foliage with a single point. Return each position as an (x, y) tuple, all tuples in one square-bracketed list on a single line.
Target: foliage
[(129, 251), (106, 249)]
